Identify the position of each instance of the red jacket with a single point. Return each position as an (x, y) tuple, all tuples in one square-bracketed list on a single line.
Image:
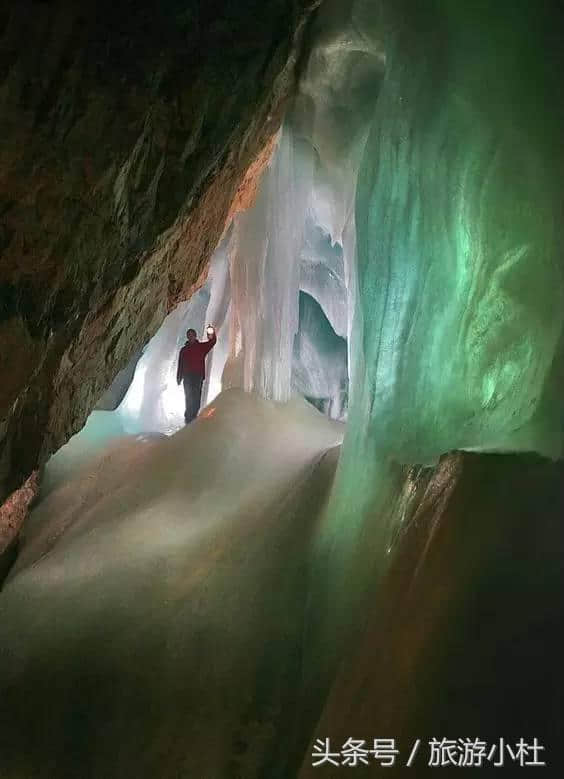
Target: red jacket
[(192, 358)]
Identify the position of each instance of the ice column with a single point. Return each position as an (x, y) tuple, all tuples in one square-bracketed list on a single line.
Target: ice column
[(217, 314), (265, 274), (333, 110)]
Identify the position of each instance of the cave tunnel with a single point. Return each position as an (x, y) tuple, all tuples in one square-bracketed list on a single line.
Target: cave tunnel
[(352, 557)]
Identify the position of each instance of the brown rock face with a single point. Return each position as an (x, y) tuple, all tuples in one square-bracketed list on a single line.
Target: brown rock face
[(12, 515), (127, 131), (463, 638)]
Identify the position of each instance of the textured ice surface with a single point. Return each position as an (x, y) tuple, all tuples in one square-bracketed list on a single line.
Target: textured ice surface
[(217, 313), (320, 360), (454, 315), (459, 258), (457, 341), (332, 111), (322, 276), (278, 249), (265, 272), (158, 599), (334, 105), (154, 401), (299, 234), (101, 427)]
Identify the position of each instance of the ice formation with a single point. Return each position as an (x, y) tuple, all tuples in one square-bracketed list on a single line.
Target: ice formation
[(319, 369), (298, 236), (461, 293), (322, 276), (404, 244), (100, 429), (300, 233), (277, 248), (154, 402), (461, 298), (457, 336), (218, 312), (265, 272), (174, 574), (399, 211)]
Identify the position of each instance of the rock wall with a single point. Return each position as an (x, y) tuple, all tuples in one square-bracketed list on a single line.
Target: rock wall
[(12, 514), (463, 637), (127, 133)]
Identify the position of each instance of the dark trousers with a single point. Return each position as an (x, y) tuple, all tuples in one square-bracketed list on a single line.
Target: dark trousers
[(193, 395)]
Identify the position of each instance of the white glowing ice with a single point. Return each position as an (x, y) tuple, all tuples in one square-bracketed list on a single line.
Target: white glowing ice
[(265, 273), (154, 402), (179, 562), (299, 235)]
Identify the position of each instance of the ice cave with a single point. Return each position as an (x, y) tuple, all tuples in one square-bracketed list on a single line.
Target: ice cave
[(353, 556)]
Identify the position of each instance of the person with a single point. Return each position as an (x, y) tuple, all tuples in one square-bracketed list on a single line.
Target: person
[(192, 369)]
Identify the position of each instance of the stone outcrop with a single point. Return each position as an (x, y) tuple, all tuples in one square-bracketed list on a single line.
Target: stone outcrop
[(463, 637), (128, 130), (13, 512)]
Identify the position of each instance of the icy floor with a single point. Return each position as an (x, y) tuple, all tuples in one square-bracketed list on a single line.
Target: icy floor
[(156, 611), (103, 430)]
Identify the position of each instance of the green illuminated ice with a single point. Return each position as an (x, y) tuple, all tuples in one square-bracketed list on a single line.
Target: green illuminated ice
[(459, 260), (458, 336)]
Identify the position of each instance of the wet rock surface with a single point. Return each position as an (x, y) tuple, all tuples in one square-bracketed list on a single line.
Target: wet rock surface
[(463, 638)]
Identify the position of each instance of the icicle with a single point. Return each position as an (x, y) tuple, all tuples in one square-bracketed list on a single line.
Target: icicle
[(265, 273)]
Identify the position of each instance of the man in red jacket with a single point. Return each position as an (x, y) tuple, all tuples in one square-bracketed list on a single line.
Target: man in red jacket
[(192, 369)]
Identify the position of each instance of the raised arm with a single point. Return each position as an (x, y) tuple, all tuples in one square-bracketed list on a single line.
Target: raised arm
[(211, 342)]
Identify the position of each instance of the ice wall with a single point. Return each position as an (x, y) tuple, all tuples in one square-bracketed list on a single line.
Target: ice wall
[(218, 314), (460, 280), (458, 253), (322, 275), (154, 401), (333, 107), (459, 258), (300, 233), (319, 370)]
